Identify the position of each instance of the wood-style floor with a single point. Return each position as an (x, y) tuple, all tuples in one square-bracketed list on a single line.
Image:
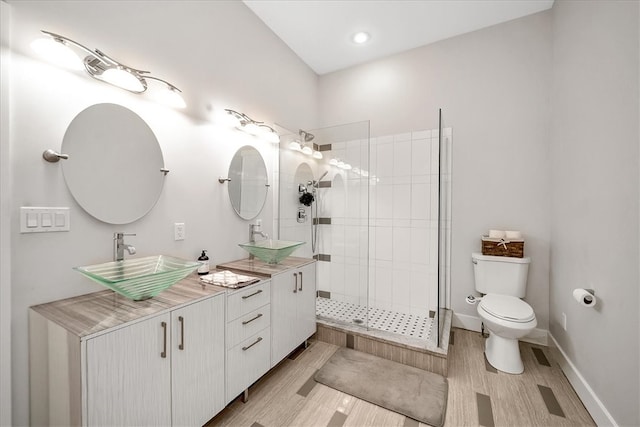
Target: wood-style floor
[(478, 394)]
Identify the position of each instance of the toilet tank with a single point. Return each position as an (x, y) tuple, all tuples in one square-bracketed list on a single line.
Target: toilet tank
[(500, 275)]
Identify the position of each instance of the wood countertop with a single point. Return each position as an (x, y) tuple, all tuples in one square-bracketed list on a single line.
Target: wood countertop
[(261, 268), (96, 312)]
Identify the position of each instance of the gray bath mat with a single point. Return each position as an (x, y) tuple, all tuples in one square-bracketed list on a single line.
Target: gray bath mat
[(410, 391)]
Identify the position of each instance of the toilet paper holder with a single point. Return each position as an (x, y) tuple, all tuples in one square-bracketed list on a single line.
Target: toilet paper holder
[(585, 297)]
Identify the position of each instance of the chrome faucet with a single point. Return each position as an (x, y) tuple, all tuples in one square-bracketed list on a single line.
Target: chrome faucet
[(253, 230), (119, 246)]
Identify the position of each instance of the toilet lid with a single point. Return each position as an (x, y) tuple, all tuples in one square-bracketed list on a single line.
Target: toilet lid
[(507, 307)]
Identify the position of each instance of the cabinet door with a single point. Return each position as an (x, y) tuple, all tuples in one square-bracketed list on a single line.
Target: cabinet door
[(284, 291), (306, 303), (128, 379), (197, 373)]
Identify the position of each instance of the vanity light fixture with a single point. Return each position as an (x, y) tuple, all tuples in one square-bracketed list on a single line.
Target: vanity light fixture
[(340, 163), (317, 155), (247, 124), (306, 150), (62, 51)]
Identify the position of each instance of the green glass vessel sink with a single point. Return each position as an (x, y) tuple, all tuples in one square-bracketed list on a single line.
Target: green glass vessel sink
[(140, 278), (271, 251)]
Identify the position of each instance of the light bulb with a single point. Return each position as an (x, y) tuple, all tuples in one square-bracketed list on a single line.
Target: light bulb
[(346, 166), (269, 135), (295, 145), (228, 118), (272, 137), (122, 78), (251, 128), (333, 162), (307, 150), (170, 96), (57, 52), (317, 155), (340, 164)]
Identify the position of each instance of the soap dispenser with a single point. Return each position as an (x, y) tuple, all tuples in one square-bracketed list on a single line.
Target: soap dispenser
[(204, 259)]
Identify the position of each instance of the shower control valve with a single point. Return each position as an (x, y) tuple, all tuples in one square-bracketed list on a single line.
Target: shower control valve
[(302, 215)]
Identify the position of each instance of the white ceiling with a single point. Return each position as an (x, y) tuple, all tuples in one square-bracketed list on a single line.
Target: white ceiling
[(319, 31)]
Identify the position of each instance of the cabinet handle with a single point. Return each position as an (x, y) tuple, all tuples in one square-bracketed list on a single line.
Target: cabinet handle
[(181, 320), (300, 288), (251, 320), (251, 345), (295, 284), (164, 335), (255, 293)]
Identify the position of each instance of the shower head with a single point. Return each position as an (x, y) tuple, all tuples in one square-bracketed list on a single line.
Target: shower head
[(316, 183), (306, 136)]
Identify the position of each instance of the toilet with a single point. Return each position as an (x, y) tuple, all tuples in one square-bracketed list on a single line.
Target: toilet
[(503, 281)]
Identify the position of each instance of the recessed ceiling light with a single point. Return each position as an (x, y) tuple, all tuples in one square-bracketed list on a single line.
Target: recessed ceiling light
[(361, 37)]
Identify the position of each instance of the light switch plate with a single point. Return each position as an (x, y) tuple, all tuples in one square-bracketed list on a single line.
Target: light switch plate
[(179, 231), (43, 219)]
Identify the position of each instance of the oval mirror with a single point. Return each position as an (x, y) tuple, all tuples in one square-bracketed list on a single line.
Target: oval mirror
[(248, 183), (114, 166)]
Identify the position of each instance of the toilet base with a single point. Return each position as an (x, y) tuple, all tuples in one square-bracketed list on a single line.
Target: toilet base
[(503, 354)]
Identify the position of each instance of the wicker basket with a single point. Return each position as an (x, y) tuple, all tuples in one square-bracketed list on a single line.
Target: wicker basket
[(502, 247)]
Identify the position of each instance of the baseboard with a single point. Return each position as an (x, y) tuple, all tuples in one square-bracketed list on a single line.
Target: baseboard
[(474, 323), (596, 408)]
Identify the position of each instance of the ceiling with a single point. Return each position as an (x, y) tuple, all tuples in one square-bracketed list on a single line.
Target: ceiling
[(319, 31)]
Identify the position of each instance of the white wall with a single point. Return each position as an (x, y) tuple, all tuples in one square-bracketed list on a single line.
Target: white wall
[(595, 214), (493, 86), (218, 53), (5, 223)]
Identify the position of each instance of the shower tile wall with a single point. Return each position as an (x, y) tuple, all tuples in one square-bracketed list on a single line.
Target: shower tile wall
[(404, 220), (402, 242)]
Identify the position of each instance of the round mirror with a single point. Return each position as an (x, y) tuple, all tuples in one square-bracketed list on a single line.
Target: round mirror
[(114, 166), (248, 183)]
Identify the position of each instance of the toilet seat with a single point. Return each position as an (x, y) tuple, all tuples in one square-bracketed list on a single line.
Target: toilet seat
[(507, 308)]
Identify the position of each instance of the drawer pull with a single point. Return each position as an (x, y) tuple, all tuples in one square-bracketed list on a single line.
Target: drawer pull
[(181, 320), (250, 295), (295, 284), (164, 334), (259, 315), (251, 345), (300, 288)]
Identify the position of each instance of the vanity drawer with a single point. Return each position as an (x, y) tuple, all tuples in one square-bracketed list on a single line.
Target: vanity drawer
[(248, 299), (245, 326), (247, 362)]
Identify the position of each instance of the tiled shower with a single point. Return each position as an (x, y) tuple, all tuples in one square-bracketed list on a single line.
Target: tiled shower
[(379, 219)]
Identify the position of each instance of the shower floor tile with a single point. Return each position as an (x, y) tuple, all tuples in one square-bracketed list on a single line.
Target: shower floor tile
[(386, 320)]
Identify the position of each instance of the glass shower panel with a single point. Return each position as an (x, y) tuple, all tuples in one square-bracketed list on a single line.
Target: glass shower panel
[(324, 201), (444, 223)]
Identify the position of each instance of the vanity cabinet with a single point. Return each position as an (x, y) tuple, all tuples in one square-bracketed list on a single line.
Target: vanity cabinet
[(99, 359), (248, 337), (293, 301), (293, 309)]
